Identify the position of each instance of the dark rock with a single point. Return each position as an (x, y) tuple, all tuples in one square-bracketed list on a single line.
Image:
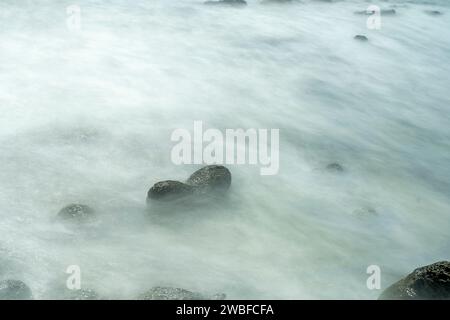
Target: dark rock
[(227, 2), (360, 37), (169, 190), (206, 180), (425, 283), (76, 212), (14, 290), (335, 167), (169, 293), (433, 12), (211, 178), (388, 12), (383, 12)]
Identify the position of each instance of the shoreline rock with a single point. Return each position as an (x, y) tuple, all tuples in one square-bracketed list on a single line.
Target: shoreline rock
[(76, 212), (14, 290), (431, 282), (207, 180), (210, 178), (169, 190), (170, 293)]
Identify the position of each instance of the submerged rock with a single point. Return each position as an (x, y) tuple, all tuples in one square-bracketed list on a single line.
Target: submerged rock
[(425, 283), (82, 294), (206, 180), (218, 296), (360, 37), (14, 290), (335, 167), (169, 293), (227, 2), (76, 212), (211, 178), (365, 212), (169, 190), (276, 1), (433, 12), (386, 12)]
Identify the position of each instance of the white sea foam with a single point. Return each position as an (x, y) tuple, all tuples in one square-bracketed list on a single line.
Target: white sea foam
[(86, 116)]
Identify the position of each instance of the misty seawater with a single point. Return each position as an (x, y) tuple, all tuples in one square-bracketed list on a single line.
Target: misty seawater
[(86, 117)]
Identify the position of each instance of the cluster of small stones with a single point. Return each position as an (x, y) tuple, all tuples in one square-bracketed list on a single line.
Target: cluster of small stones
[(205, 181), (359, 37)]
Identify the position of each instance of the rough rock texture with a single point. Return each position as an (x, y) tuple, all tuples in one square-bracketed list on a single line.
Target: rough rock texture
[(210, 178), (169, 190), (76, 212), (169, 293), (14, 290), (428, 282), (206, 180)]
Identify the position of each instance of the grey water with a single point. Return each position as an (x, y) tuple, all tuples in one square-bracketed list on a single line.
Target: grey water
[(86, 117)]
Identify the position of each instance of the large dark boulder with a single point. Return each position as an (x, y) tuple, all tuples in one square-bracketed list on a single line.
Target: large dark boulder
[(14, 290), (430, 282), (209, 178), (169, 190), (204, 181), (76, 213)]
